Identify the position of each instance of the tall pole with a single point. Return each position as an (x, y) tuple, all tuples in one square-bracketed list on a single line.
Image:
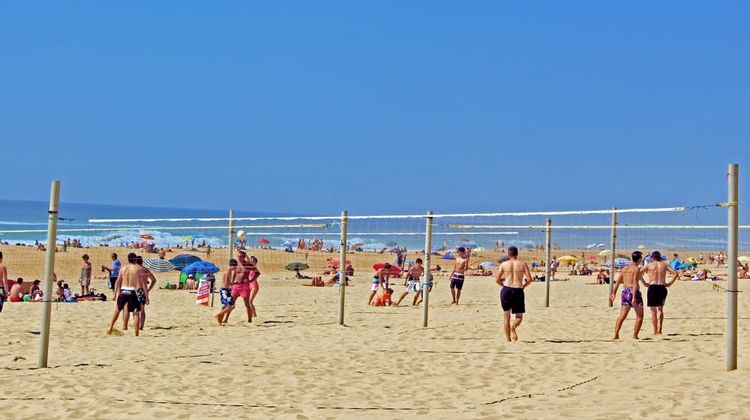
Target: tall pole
[(427, 279), (231, 234), (342, 268), (613, 256), (49, 271), (733, 248), (547, 259)]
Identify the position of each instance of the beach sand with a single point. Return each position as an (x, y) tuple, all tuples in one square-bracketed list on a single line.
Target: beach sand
[(294, 361)]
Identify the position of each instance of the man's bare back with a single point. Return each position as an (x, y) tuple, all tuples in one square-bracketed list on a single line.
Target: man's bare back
[(512, 273), (657, 272), (630, 276)]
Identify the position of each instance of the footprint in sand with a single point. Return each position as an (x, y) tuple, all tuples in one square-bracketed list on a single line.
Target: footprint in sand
[(116, 332)]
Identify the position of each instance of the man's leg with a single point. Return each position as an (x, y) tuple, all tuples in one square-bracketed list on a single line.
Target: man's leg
[(125, 319), (620, 319), (453, 295), (114, 319), (638, 321), (137, 321), (506, 324), (417, 296), (516, 323), (248, 309), (372, 295), (661, 318), (143, 315), (458, 295), (654, 320), (226, 315), (403, 295)]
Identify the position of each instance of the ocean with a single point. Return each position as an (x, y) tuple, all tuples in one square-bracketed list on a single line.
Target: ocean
[(25, 222)]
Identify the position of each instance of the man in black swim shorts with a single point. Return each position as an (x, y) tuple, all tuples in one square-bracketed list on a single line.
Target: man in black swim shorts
[(457, 275), (514, 276)]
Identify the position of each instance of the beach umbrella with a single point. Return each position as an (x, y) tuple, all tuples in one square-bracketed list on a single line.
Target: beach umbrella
[(158, 265), (201, 267), (183, 260), (488, 264), (263, 241), (356, 245), (146, 236), (296, 266), (288, 243), (605, 253), (448, 255), (393, 271), (567, 258), (675, 264)]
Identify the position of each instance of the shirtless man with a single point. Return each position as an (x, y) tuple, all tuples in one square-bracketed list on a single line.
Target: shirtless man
[(510, 276), (380, 279), (16, 291), (631, 296), (3, 277), (241, 282), (457, 275), (131, 279), (657, 288), (412, 281), (150, 280), (225, 293)]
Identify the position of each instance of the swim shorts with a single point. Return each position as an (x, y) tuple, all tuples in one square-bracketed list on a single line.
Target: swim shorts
[(241, 289), (457, 281), (129, 298), (227, 301), (412, 285), (141, 296), (657, 295), (626, 298), (512, 299), (375, 284)]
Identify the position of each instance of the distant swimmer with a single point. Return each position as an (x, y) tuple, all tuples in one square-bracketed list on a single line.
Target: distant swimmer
[(657, 288), (457, 275), (631, 295), (514, 276)]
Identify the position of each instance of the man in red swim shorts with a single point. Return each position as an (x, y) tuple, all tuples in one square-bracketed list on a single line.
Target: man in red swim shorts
[(241, 284)]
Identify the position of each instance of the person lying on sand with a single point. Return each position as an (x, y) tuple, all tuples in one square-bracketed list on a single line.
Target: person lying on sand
[(384, 298), (318, 281)]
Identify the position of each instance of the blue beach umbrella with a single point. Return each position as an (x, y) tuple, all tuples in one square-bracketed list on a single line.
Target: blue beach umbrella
[(448, 255), (488, 264), (619, 262), (288, 243), (469, 245), (202, 267), (183, 260)]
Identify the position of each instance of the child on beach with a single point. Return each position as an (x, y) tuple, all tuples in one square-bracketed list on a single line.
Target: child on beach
[(384, 298)]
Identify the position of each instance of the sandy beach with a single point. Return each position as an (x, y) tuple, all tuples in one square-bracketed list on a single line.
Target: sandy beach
[(294, 361)]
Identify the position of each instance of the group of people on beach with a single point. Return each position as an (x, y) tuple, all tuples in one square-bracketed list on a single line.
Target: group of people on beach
[(131, 289), (239, 281)]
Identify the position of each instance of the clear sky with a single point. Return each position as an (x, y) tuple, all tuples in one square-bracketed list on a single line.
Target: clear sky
[(375, 107)]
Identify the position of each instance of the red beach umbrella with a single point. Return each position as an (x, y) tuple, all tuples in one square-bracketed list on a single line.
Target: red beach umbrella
[(393, 271), (146, 236), (263, 241)]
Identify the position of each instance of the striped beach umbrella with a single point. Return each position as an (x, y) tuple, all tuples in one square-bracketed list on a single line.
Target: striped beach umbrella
[(158, 265)]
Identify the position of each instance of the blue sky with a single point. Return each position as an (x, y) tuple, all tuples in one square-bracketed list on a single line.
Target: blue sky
[(375, 107)]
